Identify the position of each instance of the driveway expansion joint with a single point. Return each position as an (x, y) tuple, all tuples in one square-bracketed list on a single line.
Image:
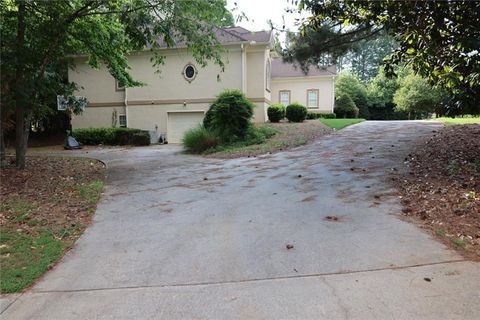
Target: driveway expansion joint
[(195, 284)]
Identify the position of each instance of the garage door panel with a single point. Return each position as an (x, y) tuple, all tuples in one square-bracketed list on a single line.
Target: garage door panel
[(180, 122)]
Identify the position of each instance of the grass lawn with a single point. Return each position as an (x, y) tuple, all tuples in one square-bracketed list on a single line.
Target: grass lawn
[(287, 135), (44, 209), (458, 120), (340, 123)]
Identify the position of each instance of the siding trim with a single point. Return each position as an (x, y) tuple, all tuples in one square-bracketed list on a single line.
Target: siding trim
[(132, 103)]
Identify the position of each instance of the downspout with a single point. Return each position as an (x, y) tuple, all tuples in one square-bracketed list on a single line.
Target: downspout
[(333, 93), (125, 102), (243, 64)]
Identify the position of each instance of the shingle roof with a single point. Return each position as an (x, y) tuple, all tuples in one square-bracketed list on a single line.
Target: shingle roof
[(230, 35), (247, 35), (283, 69)]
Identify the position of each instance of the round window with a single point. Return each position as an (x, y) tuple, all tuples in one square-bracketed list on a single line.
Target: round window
[(189, 72)]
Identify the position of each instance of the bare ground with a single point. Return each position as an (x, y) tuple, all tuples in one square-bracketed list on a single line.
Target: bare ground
[(441, 187), (288, 136), (52, 195)]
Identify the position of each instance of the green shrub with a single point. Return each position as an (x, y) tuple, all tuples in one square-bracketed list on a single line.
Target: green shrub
[(199, 139), (345, 107), (320, 115), (296, 112), (255, 135), (276, 112), (123, 136), (327, 115), (229, 116), (110, 136), (207, 120), (140, 139)]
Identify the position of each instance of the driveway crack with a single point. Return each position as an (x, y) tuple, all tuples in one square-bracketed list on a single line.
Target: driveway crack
[(210, 283)]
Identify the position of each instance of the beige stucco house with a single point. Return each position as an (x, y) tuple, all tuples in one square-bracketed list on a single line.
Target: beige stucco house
[(176, 99)]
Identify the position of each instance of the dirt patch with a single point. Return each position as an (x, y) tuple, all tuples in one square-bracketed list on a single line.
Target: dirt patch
[(334, 218), (44, 209), (288, 136), (441, 187), (309, 199)]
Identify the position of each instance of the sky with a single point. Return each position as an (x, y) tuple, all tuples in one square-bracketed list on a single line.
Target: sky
[(260, 11)]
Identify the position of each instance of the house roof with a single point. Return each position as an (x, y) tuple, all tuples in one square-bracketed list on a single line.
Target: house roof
[(230, 36), (282, 69), (247, 35)]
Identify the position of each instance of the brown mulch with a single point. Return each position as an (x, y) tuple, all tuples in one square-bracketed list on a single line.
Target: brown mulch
[(49, 192), (288, 136), (442, 188)]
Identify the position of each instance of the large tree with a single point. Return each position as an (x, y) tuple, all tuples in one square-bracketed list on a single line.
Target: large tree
[(415, 95), (348, 84), (38, 36), (440, 40), (367, 56)]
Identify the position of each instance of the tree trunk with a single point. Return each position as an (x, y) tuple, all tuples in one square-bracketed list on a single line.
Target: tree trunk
[(21, 127), (3, 161), (22, 131)]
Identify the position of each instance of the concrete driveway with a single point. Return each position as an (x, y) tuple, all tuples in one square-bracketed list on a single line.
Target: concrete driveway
[(183, 237)]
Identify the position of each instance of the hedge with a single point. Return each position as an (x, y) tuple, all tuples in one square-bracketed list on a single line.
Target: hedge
[(112, 136), (321, 115)]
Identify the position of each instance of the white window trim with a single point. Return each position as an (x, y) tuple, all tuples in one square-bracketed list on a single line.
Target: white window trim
[(280, 96), (317, 92), (120, 123)]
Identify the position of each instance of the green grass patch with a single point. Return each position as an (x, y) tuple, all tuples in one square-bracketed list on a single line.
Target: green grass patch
[(440, 232), (459, 120), (460, 242), (26, 257), (20, 207), (91, 191), (340, 123)]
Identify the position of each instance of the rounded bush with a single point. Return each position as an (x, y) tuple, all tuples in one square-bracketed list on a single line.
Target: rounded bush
[(199, 139), (345, 107), (276, 112), (229, 116), (295, 112)]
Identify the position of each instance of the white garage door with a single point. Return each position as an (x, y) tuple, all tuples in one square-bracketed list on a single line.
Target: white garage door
[(179, 122)]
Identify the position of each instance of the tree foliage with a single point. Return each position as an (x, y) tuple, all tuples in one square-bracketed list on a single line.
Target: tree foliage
[(39, 36), (381, 89), (345, 107), (416, 95), (440, 40), (365, 57), (349, 85)]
